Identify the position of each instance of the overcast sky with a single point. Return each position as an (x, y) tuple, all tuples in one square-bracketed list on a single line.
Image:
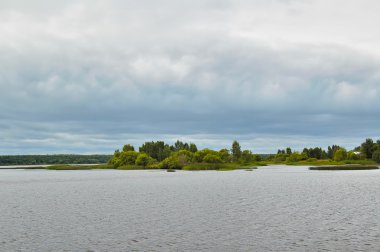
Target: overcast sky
[(89, 76)]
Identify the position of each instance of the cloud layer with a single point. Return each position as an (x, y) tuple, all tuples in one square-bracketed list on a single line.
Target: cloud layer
[(89, 76)]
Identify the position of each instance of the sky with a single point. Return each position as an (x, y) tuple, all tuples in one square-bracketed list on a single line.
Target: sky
[(90, 76)]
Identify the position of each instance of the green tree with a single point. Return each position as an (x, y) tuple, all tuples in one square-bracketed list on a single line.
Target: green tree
[(236, 151), (172, 162), (376, 156), (280, 157), (331, 151), (306, 152), (288, 151), (128, 158), (197, 158), (128, 147), (142, 159), (199, 155), (193, 148), (224, 154), (340, 155), (115, 159), (184, 156), (352, 156), (157, 150), (257, 157), (367, 148), (296, 156), (212, 159), (246, 156), (315, 153), (179, 145)]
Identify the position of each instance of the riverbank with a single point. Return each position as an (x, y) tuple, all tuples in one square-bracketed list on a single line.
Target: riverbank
[(206, 166), (345, 168)]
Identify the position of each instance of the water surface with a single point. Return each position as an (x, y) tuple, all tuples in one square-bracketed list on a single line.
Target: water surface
[(271, 209)]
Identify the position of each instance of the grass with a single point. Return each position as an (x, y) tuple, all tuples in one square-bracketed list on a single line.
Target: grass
[(218, 167), (361, 162), (325, 162), (131, 167), (345, 167), (204, 167)]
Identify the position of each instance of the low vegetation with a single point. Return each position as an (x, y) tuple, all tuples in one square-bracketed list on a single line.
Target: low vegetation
[(187, 156), (77, 167), (53, 159), (183, 156), (345, 167)]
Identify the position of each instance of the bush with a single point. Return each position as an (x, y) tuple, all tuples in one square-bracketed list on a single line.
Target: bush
[(296, 156), (128, 158), (340, 155), (203, 166), (257, 158), (246, 157), (212, 159), (142, 159), (172, 162), (185, 153), (224, 155), (200, 155), (352, 156), (376, 156), (311, 160), (280, 158)]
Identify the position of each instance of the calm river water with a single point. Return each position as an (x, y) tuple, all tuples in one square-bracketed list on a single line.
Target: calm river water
[(271, 209)]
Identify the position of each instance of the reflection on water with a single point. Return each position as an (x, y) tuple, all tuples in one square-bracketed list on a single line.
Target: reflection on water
[(274, 208)]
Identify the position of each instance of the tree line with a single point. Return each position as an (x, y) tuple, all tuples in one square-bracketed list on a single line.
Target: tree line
[(161, 155), (53, 159), (368, 150)]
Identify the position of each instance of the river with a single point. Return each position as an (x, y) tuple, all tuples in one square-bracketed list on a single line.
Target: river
[(275, 208)]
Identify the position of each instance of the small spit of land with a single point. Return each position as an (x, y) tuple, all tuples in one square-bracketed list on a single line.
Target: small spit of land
[(186, 156), (199, 167), (345, 167)]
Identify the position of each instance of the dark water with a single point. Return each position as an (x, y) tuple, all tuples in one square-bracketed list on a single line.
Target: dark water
[(272, 209)]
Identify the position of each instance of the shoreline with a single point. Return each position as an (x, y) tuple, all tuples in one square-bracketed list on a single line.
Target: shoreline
[(228, 167)]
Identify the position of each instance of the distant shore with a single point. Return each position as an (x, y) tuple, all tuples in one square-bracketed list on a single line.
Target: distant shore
[(195, 167)]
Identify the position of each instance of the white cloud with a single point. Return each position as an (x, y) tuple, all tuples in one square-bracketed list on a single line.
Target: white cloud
[(278, 68)]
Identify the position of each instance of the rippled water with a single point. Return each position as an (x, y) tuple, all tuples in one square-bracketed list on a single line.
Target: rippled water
[(270, 209)]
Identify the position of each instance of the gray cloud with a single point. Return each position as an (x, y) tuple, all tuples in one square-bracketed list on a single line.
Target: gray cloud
[(89, 76)]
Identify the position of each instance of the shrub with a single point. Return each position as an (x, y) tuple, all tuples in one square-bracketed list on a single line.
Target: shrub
[(257, 158), (246, 156), (185, 153), (128, 158), (143, 160), (340, 155), (312, 160), (280, 157), (376, 156), (172, 162), (212, 159), (352, 156), (296, 156), (202, 166)]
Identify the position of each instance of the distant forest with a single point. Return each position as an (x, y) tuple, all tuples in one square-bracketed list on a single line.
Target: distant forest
[(53, 159), (161, 155)]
